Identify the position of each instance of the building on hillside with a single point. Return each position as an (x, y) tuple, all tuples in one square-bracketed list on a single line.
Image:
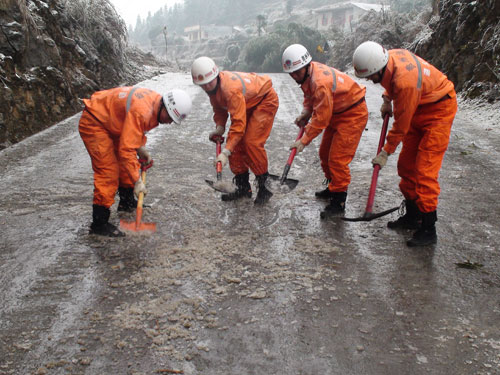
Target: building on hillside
[(202, 32), (195, 33), (343, 16)]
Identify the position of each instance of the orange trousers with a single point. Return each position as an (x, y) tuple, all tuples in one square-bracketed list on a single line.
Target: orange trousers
[(339, 144), (103, 150), (422, 153), (250, 153)]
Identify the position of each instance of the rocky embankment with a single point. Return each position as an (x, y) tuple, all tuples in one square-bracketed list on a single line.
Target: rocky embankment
[(464, 41), (54, 52), (460, 37)]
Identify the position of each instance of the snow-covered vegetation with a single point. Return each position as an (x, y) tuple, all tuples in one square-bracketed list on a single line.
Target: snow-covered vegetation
[(52, 53)]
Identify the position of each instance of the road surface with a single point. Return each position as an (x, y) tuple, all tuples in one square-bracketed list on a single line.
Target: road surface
[(229, 288)]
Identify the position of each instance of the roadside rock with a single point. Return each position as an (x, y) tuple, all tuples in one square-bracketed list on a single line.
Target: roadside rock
[(54, 52), (465, 43)]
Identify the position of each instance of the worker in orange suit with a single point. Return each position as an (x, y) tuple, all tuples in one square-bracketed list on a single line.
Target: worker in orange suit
[(335, 105), (252, 103), (425, 105), (113, 126)]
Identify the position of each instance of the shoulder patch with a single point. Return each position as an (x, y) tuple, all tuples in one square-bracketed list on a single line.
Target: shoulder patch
[(410, 67)]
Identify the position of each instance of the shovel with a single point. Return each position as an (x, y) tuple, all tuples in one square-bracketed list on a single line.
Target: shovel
[(290, 182), (369, 215), (219, 185), (138, 225)]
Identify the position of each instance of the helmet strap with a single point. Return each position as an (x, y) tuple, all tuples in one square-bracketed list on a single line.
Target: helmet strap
[(214, 91), (306, 76), (382, 72), (162, 104)]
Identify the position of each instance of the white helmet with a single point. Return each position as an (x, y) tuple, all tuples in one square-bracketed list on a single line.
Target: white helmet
[(204, 70), (295, 57), (178, 104), (369, 58)]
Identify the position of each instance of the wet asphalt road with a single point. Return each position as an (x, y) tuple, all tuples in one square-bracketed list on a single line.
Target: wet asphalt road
[(229, 288)]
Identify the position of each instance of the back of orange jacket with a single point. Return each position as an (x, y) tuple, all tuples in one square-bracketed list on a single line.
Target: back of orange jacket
[(327, 91), (238, 93), (410, 81), (126, 113)]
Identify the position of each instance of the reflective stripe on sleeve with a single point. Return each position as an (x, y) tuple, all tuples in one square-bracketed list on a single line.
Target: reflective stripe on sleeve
[(129, 98), (242, 82), (419, 82), (334, 85)]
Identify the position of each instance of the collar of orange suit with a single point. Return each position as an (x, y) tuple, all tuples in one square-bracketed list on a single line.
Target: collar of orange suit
[(387, 73)]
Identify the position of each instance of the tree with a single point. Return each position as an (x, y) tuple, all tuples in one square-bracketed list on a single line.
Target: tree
[(233, 52), (153, 33), (261, 23), (263, 54), (405, 6)]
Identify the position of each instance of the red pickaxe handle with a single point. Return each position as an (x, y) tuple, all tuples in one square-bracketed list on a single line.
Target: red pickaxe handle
[(292, 156), (376, 167), (144, 166)]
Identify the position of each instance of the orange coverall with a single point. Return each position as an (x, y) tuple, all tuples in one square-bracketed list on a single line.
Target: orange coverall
[(252, 103), (112, 128), (425, 105), (338, 107)]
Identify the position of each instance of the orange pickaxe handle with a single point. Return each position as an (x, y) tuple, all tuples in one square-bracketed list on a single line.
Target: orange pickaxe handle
[(138, 225), (140, 201)]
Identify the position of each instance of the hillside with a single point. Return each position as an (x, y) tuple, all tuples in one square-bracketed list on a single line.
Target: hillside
[(54, 52)]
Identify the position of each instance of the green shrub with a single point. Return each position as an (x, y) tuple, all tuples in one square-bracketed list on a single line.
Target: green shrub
[(263, 54)]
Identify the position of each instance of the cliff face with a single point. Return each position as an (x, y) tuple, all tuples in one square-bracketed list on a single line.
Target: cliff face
[(464, 42), (52, 53), (460, 37)]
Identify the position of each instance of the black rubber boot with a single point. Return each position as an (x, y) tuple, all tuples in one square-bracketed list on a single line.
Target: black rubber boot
[(336, 205), (127, 203), (100, 224), (325, 193), (426, 235), (410, 220), (263, 195), (243, 188)]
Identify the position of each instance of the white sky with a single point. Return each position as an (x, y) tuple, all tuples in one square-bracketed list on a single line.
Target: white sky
[(129, 10)]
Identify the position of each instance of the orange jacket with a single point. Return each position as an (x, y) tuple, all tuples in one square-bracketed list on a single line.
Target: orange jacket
[(410, 81), (324, 97), (237, 93), (126, 113)]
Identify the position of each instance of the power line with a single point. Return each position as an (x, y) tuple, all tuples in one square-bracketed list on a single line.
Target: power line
[(190, 44)]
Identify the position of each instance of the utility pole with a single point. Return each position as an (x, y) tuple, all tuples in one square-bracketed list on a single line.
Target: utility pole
[(166, 44)]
